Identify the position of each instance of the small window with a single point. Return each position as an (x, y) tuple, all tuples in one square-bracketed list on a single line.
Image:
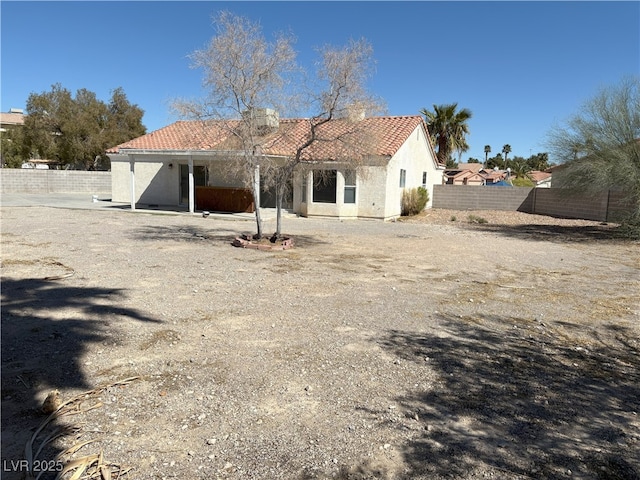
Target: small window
[(403, 178), (424, 179), (324, 186), (350, 186)]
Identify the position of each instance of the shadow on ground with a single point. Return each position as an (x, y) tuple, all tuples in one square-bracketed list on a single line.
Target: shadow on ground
[(46, 329), (200, 235), (521, 404), (557, 233)]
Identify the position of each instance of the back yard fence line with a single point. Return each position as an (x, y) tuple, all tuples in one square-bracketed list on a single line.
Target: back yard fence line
[(16, 180), (606, 206)]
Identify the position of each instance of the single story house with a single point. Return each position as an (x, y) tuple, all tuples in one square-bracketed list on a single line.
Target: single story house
[(472, 174), (540, 179), (184, 165)]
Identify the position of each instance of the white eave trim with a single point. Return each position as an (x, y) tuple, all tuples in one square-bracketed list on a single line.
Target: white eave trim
[(187, 153)]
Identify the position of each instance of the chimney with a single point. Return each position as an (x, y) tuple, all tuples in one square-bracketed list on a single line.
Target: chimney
[(265, 120)]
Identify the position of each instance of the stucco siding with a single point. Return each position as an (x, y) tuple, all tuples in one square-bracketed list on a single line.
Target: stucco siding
[(414, 157), (155, 182), (371, 191)]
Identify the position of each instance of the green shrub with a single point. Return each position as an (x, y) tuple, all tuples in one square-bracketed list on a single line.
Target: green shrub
[(476, 219), (414, 200), (453, 218), (522, 182)]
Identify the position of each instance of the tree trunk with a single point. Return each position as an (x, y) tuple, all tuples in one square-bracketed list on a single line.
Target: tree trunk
[(279, 195), (258, 234)]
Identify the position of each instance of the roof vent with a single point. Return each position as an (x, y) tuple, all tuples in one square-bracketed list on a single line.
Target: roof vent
[(354, 112)]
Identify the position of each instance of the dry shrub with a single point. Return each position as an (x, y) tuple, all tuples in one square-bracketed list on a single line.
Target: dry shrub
[(414, 200)]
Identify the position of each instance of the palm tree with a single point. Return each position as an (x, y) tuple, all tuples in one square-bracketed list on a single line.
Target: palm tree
[(506, 150), (520, 167), (448, 129), (487, 151)]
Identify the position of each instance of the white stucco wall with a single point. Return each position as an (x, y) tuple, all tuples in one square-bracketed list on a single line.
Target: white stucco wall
[(155, 182), (378, 191), (371, 192), (415, 156)]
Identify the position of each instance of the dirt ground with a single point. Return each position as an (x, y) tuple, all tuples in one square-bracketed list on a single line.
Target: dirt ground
[(437, 347)]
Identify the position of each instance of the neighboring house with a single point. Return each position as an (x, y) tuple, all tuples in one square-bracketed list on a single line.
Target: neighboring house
[(183, 164), (540, 179), (472, 174), (463, 177)]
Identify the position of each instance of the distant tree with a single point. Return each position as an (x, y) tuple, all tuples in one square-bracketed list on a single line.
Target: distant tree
[(448, 129), (506, 150), (76, 131), (495, 162), (600, 147), (124, 120), (539, 161), (451, 163), (12, 148), (487, 151), (473, 160), (519, 167)]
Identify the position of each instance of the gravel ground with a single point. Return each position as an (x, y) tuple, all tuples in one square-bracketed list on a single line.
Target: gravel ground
[(426, 348)]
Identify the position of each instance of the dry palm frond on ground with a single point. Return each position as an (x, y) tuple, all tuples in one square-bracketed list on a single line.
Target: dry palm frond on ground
[(91, 466)]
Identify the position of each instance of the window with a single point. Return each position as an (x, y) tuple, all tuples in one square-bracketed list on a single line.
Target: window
[(324, 186), (403, 178), (350, 186), (424, 179)]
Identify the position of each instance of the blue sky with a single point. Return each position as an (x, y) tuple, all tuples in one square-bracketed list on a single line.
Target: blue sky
[(520, 67)]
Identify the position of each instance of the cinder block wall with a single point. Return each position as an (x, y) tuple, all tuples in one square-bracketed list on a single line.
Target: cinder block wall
[(14, 180), (465, 197), (555, 202)]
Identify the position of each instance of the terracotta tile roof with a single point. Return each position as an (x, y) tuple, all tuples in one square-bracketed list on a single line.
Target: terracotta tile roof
[(474, 167), (389, 132), (11, 119), (538, 176)]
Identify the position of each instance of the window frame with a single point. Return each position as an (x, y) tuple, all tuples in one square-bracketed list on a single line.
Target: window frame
[(325, 195), (351, 186), (403, 178)]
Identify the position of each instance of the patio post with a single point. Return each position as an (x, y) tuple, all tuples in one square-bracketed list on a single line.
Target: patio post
[(132, 177), (192, 202)]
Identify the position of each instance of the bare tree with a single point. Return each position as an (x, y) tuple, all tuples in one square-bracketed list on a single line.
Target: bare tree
[(342, 103), (244, 73), (600, 145)]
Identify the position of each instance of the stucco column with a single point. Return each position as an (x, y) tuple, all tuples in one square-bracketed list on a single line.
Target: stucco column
[(132, 177), (192, 195), (256, 185)]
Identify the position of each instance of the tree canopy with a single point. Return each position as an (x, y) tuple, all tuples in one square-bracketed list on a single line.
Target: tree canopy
[(600, 144), (75, 131), (245, 73)]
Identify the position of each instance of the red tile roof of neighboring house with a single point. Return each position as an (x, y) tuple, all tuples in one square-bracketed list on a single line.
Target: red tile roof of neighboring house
[(537, 176), (474, 167), (386, 133), (11, 118)]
